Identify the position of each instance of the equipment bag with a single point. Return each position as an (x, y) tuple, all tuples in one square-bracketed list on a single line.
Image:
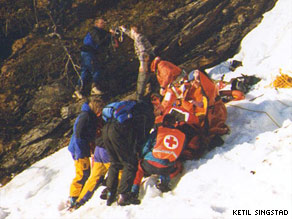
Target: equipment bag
[(169, 143), (120, 111), (244, 83)]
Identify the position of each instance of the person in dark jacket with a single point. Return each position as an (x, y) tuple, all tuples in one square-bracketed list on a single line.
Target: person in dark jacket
[(93, 54), (85, 130), (121, 141)]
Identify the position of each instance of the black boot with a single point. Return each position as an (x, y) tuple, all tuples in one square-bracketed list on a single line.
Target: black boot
[(128, 199), (103, 194), (111, 198), (163, 184), (215, 142)]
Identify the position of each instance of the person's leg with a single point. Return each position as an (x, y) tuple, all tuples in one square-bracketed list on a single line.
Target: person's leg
[(178, 167), (94, 181), (86, 70), (128, 175), (96, 77), (125, 194), (108, 134), (82, 168), (138, 178), (123, 141), (166, 173), (143, 78)]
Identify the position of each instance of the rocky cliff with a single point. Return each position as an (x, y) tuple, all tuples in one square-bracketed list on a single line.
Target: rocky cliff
[(40, 59)]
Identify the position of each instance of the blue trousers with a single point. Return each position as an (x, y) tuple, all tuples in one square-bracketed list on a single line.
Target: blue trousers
[(90, 69)]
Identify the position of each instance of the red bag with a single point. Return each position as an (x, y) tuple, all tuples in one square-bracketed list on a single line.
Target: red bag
[(169, 143)]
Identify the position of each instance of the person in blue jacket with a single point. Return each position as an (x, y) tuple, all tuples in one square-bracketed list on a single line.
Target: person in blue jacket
[(93, 52), (85, 130)]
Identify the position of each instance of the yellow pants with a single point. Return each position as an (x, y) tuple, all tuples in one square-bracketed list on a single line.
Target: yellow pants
[(99, 171), (82, 170)]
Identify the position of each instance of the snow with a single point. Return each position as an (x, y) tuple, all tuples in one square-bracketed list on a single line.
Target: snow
[(251, 171)]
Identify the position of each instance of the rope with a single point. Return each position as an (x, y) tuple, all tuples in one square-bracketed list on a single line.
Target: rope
[(257, 111), (282, 81), (285, 104)]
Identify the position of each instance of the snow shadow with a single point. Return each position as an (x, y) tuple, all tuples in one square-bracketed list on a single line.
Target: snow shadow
[(39, 183), (4, 212)]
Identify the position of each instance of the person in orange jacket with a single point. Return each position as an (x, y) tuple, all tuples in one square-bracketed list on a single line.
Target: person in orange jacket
[(213, 111), (198, 95), (186, 94), (166, 73)]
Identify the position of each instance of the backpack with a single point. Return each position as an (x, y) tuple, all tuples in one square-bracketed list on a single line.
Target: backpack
[(169, 143), (89, 42), (119, 111), (244, 83)]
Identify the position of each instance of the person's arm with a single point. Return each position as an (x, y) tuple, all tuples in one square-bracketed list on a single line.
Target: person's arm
[(80, 136), (147, 147), (127, 32), (81, 126)]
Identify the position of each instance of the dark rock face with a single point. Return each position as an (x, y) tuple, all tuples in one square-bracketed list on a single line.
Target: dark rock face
[(48, 135), (37, 78), (204, 33)]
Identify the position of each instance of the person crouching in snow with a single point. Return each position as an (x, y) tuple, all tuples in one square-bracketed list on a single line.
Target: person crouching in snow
[(100, 167), (160, 155), (85, 130)]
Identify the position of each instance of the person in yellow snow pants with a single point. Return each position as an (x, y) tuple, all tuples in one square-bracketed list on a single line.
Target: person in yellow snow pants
[(82, 170), (84, 134), (100, 167), (101, 163)]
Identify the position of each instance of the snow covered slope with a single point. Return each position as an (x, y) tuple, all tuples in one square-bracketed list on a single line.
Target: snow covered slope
[(250, 173)]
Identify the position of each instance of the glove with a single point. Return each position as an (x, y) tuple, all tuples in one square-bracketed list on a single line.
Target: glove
[(123, 28)]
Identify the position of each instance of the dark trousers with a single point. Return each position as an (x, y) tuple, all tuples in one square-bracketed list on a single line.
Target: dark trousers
[(148, 168), (119, 141), (90, 70)]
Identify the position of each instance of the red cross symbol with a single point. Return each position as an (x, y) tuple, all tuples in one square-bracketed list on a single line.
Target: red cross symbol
[(170, 142)]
